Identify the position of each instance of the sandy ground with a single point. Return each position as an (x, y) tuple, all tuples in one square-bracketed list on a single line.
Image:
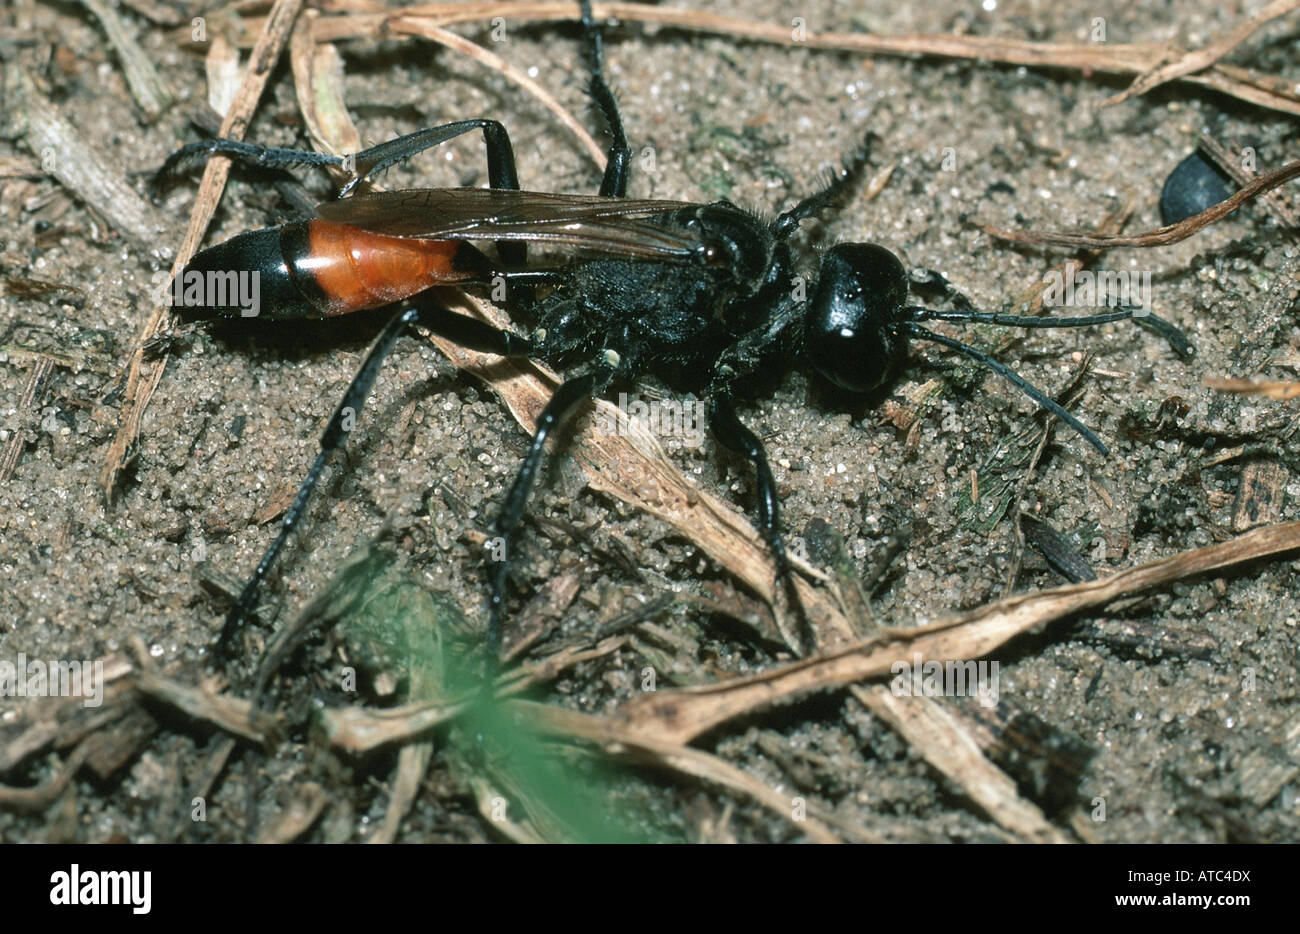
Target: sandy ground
[(236, 420)]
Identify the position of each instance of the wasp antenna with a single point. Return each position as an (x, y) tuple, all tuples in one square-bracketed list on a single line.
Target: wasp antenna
[(1044, 401), (1017, 321), (1178, 341)]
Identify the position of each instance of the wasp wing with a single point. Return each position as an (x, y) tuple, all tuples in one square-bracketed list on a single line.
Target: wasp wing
[(591, 223)]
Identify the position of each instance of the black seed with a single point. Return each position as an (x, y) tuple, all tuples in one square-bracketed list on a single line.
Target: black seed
[(1192, 187)]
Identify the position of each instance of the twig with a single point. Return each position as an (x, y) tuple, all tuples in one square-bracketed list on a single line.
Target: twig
[(30, 399), (681, 715), (1268, 388), (1202, 58), (1230, 162), (1161, 236), (370, 20)]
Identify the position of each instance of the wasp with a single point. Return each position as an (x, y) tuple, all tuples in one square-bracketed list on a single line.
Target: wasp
[(708, 291)]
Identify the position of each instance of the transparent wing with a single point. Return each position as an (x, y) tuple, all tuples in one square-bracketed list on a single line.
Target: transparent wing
[(591, 223)]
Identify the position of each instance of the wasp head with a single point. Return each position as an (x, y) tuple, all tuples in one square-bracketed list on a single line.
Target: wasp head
[(850, 338)]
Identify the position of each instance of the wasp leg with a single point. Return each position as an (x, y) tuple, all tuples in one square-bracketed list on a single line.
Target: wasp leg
[(788, 222), (561, 406), (249, 154), (614, 184), (470, 332), (502, 172), (735, 437)]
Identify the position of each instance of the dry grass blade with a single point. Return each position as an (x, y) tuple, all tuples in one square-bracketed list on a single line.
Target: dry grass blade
[(1233, 163), (156, 11), (1161, 236), (221, 69), (539, 672), (30, 741), (486, 798), (940, 737), (32, 390), (681, 715), (412, 763), (1250, 86), (318, 83), (232, 714), (1271, 389), (1203, 58), (297, 818), (142, 382), (616, 738), (318, 69), (41, 796), (361, 729)]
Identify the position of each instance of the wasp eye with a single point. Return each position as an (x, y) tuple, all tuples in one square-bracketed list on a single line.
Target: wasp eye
[(850, 335)]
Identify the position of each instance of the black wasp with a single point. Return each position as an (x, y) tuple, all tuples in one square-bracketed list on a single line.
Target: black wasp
[(702, 289)]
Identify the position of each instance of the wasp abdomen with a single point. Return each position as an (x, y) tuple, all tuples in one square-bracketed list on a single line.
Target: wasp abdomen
[(317, 269), (355, 269)]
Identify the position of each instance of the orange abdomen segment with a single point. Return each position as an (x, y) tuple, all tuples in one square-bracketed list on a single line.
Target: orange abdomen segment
[(356, 269)]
